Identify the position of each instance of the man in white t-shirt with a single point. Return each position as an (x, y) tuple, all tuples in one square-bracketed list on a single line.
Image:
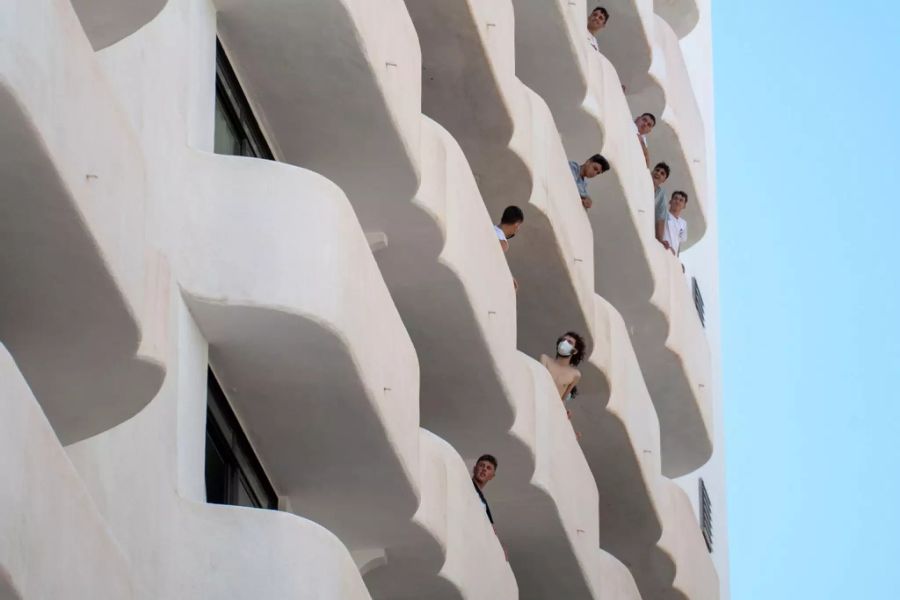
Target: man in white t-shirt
[(596, 21), (675, 232), (510, 221), (643, 125)]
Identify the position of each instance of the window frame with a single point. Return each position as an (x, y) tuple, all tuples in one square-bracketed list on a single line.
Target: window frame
[(243, 467), (238, 110)]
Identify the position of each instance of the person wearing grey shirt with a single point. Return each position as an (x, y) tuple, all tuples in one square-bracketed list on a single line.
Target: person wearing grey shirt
[(659, 174), (592, 167)]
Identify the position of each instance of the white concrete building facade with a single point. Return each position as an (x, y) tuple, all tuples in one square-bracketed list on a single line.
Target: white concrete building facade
[(256, 327)]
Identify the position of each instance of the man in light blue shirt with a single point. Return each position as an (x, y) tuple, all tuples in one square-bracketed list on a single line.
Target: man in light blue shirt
[(592, 167)]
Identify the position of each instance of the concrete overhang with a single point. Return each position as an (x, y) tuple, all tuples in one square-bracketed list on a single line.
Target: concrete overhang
[(54, 543), (452, 287), (82, 291), (644, 517), (107, 21), (330, 82), (678, 139), (510, 141), (631, 269), (685, 570), (385, 76), (681, 15), (246, 553), (323, 377), (555, 27)]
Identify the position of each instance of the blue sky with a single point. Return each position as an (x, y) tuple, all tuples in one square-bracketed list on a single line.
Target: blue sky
[(808, 169)]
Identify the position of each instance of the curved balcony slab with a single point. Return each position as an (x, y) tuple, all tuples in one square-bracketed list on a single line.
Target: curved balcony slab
[(336, 88), (53, 541), (510, 141), (630, 269), (107, 21), (618, 583), (559, 28), (247, 554), (301, 362), (681, 15), (71, 228), (327, 393), (678, 139), (693, 574), (452, 287), (620, 437), (472, 553)]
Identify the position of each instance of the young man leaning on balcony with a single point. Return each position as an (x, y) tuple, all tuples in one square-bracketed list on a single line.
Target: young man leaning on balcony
[(485, 469), (659, 174), (592, 167), (510, 221), (675, 232), (596, 21), (643, 125)]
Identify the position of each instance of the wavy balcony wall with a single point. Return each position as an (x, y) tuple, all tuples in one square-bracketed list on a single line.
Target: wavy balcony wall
[(511, 144), (415, 232), (53, 541), (640, 523), (631, 270), (82, 317), (324, 377)]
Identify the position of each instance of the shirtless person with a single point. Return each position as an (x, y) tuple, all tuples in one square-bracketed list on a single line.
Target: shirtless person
[(563, 369)]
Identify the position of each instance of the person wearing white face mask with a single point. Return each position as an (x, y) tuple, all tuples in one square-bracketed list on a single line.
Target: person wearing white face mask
[(563, 367)]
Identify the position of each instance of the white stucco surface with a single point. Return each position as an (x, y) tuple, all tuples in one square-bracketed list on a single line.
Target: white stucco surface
[(632, 270), (352, 300), (54, 542), (82, 316)]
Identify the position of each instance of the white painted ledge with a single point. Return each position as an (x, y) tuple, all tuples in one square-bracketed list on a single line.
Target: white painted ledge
[(685, 551), (336, 84), (643, 518), (246, 554), (83, 317), (681, 15), (53, 541), (324, 376), (107, 21)]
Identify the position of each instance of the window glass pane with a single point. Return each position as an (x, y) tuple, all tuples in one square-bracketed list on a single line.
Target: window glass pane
[(245, 496), (226, 136), (216, 473)]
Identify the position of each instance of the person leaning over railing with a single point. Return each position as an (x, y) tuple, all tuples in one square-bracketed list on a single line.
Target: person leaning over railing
[(659, 175), (675, 230), (596, 21), (592, 167), (643, 125)]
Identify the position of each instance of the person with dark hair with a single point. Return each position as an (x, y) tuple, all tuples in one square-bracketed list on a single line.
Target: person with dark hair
[(563, 368), (659, 175), (643, 125), (675, 232), (592, 167), (596, 21), (512, 219), (485, 469)]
